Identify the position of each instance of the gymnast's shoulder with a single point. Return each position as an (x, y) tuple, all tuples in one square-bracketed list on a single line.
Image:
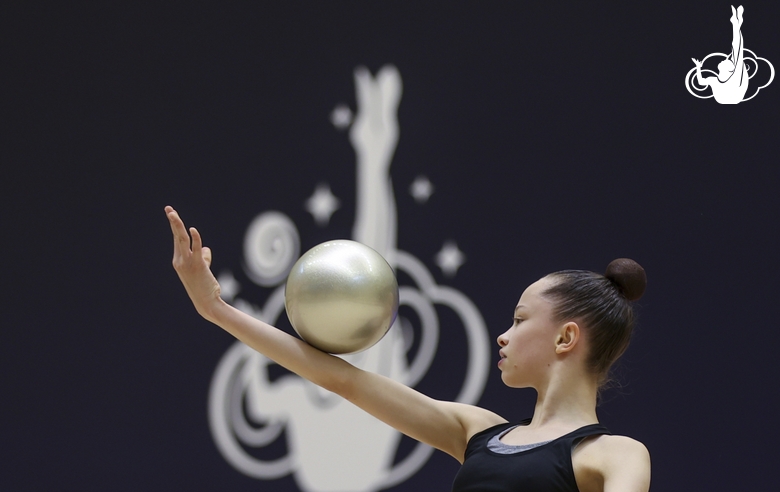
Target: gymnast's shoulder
[(616, 463)]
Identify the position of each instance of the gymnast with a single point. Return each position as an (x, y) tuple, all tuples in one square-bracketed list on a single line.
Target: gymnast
[(567, 329), (731, 84)]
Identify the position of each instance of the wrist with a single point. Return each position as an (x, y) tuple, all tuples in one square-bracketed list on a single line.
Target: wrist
[(213, 310)]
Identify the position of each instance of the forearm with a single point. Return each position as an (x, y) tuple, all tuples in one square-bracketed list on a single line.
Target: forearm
[(699, 78), (286, 350)]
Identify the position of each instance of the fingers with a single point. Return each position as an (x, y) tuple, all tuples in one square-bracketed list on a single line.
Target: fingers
[(197, 243), (181, 240)]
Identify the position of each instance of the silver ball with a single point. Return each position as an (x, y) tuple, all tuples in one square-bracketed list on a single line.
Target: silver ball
[(341, 297)]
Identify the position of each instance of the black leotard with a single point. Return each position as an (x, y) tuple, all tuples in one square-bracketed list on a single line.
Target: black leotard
[(546, 468)]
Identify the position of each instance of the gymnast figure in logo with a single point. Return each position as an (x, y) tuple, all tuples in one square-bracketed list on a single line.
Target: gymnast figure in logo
[(731, 84)]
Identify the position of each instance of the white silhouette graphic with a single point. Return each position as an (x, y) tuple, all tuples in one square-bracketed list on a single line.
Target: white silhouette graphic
[(730, 84), (332, 446)]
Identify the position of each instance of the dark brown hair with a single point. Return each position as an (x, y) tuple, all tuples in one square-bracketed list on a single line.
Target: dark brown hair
[(602, 303)]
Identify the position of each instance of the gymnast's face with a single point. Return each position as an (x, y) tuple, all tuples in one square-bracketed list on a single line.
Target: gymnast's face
[(528, 346)]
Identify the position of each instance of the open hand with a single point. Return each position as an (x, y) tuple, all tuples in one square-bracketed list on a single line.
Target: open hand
[(697, 62), (192, 265)]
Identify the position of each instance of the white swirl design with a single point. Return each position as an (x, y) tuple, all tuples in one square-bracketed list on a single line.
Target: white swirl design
[(271, 246)]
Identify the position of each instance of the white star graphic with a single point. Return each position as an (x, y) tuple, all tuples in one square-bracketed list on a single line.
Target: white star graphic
[(322, 204), (421, 189), (228, 284), (450, 258), (341, 116)]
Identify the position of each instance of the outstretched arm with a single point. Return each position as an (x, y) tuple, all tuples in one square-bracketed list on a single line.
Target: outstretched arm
[(701, 80), (444, 425)]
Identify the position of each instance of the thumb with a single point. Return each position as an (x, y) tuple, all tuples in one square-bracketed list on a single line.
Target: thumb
[(206, 252)]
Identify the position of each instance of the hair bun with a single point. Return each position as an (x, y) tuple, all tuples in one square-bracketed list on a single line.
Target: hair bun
[(629, 276)]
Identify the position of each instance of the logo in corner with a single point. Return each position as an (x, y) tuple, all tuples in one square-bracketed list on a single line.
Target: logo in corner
[(729, 85)]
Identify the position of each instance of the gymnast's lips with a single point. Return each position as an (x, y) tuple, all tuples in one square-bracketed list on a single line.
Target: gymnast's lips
[(502, 357)]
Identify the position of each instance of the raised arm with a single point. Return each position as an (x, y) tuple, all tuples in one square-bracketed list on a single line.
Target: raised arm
[(446, 426), (701, 80)]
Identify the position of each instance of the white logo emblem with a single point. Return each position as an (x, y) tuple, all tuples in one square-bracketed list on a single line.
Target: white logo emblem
[(331, 444), (730, 84)]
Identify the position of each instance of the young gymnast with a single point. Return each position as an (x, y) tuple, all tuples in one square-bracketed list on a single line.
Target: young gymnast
[(567, 330)]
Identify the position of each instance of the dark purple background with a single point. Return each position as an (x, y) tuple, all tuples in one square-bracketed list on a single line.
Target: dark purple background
[(558, 135)]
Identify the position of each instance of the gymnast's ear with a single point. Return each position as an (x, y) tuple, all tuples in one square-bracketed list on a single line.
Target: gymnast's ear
[(568, 336)]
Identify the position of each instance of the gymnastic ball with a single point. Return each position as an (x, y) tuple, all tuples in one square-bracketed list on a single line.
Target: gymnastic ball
[(341, 297)]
